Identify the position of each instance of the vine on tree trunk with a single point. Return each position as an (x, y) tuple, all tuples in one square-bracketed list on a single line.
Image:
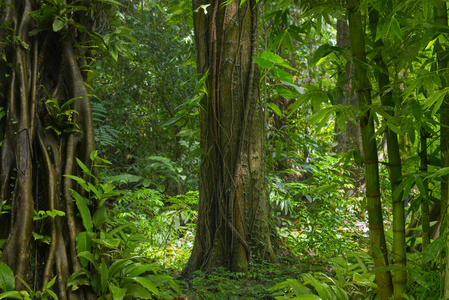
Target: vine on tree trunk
[(46, 50)]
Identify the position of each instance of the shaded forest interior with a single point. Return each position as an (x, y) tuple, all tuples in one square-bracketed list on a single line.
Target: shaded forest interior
[(224, 149)]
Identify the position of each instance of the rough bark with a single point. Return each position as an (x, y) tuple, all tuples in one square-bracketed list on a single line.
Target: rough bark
[(370, 158), (233, 209), (351, 140), (34, 157)]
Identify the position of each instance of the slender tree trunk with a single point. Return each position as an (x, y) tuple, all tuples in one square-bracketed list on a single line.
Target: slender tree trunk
[(233, 210), (441, 17), (394, 163), (39, 144), (363, 90), (351, 139), (425, 214)]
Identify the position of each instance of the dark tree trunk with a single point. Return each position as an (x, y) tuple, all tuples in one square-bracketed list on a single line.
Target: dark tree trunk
[(352, 138), (40, 144), (233, 209)]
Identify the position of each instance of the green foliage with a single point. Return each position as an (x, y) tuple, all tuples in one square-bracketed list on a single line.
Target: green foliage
[(143, 92), (222, 284), (168, 224), (321, 215), (352, 277), (107, 249), (7, 287)]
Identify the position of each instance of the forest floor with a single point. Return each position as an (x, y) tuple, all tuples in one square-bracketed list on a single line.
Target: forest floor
[(221, 284)]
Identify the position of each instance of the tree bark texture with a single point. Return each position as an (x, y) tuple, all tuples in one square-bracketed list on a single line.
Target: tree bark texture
[(351, 140), (34, 157), (370, 158), (233, 209)]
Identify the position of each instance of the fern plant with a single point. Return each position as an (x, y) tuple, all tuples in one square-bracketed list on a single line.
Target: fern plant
[(105, 135)]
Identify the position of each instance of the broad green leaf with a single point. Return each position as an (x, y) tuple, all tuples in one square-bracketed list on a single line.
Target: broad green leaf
[(286, 93), (323, 290), (84, 243), (117, 293), (89, 256), (84, 168), (147, 284), (118, 266), (104, 279), (78, 278), (86, 217), (263, 63), (434, 249), (100, 216), (298, 287), (53, 213), (7, 281), (275, 109), (396, 29), (58, 24), (80, 181), (176, 118), (276, 59), (49, 284), (139, 269), (134, 291), (12, 294)]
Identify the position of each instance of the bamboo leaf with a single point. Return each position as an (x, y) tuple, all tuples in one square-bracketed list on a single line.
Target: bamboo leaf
[(433, 250)]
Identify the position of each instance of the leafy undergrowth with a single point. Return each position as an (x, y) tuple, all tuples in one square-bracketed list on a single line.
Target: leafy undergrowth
[(222, 284)]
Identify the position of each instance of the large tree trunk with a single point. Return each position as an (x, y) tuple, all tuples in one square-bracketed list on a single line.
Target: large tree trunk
[(39, 145), (234, 208), (370, 158)]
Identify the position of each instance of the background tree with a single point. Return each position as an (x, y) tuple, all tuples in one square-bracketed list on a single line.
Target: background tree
[(233, 209)]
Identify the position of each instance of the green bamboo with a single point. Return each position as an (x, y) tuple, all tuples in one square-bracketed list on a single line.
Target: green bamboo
[(440, 17), (425, 218), (394, 163), (363, 90)]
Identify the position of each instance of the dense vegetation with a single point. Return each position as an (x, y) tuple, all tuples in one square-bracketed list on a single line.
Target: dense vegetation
[(224, 149)]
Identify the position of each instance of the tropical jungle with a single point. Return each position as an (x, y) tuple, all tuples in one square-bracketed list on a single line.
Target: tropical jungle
[(224, 149)]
